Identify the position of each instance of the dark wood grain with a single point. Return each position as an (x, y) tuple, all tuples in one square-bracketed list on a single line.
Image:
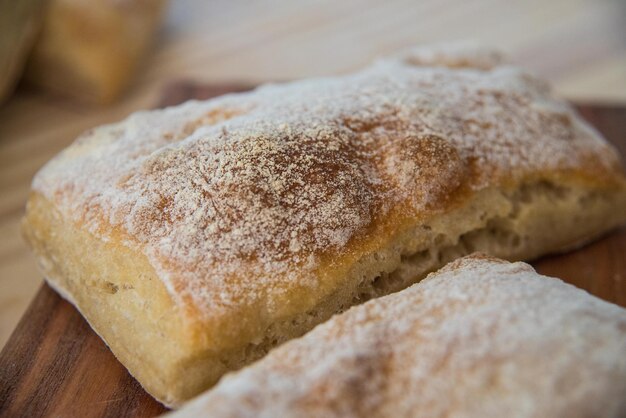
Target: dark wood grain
[(55, 365), (183, 90)]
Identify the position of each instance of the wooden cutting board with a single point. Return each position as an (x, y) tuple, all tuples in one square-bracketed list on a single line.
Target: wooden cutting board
[(55, 365)]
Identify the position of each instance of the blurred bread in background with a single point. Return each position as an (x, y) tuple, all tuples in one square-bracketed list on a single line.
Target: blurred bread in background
[(19, 24), (87, 50)]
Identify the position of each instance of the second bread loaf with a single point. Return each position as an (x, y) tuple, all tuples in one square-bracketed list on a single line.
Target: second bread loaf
[(480, 338)]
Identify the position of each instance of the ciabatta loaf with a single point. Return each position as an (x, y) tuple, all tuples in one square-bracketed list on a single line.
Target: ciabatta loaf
[(195, 238), (480, 338)]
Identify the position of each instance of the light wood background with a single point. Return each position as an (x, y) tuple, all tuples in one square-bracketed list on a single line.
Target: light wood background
[(580, 45)]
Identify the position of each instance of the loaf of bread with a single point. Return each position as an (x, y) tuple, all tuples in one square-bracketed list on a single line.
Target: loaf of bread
[(196, 238), (89, 50), (480, 338)]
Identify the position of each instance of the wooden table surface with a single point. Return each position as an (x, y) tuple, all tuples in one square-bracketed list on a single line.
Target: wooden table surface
[(579, 45)]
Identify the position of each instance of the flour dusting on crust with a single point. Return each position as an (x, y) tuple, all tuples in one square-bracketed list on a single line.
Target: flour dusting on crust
[(239, 196), (481, 337)]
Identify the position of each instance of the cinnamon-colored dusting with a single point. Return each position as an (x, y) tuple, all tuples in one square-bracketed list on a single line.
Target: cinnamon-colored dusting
[(241, 195)]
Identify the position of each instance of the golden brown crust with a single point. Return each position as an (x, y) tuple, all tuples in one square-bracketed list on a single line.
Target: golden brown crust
[(479, 338), (277, 208), (266, 183)]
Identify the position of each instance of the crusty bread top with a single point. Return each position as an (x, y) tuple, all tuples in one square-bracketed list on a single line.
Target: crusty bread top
[(242, 196), (480, 338)]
